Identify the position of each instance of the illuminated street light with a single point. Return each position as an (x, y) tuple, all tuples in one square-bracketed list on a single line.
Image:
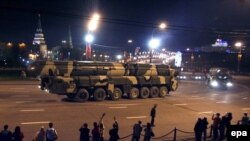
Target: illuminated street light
[(153, 44), (22, 45), (238, 44), (119, 57), (9, 44), (161, 27), (89, 38), (93, 23), (130, 41), (239, 56)]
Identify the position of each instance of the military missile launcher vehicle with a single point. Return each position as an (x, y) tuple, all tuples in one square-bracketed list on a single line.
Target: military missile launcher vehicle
[(83, 80)]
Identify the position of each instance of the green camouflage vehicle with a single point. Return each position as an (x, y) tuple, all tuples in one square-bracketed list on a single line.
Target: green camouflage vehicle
[(83, 80)]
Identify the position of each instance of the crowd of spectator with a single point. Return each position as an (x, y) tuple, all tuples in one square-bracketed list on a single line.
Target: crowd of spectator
[(96, 134), (218, 130), (218, 127)]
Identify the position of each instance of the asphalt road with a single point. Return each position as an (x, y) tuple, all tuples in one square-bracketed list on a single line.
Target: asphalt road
[(22, 103)]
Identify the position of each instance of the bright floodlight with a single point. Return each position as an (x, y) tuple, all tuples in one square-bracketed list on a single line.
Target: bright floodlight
[(130, 41), (119, 57), (89, 38), (162, 26), (92, 26), (154, 43), (238, 44)]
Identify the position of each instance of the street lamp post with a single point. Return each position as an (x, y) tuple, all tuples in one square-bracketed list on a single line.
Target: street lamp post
[(92, 26), (154, 42), (239, 55)]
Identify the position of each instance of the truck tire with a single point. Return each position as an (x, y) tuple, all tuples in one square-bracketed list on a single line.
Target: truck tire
[(134, 93), (116, 95), (154, 92), (144, 92), (82, 95), (163, 91), (99, 94)]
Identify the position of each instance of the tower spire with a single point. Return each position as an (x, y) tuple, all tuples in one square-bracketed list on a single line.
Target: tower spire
[(70, 39), (39, 39), (39, 25)]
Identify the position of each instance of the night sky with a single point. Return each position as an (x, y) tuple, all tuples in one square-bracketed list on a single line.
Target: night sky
[(191, 23)]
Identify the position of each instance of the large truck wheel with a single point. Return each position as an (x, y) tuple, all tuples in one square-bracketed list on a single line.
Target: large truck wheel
[(163, 91), (154, 92), (144, 93), (134, 93), (99, 94), (82, 95), (117, 94)]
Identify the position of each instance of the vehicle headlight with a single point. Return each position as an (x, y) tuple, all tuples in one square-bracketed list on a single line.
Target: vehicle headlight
[(214, 83), (229, 84), (184, 77)]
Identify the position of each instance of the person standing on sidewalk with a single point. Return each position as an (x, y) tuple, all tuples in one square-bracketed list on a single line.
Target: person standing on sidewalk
[(152, 114), (137, 129), (84, 132), (51, 134)]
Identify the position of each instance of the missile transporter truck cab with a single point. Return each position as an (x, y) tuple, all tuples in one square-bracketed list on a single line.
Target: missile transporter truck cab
[(100, 80)]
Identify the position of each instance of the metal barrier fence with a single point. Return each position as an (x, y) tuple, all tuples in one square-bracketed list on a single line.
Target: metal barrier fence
[(168, 137)]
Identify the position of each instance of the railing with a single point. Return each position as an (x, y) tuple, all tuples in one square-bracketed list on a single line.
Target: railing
[(168, 137)]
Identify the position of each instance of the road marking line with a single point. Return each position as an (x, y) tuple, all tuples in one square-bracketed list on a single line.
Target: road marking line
[(136, 117), (127, 104), (20, 102), (221, 102), (21, 91), (32, 110), (244, 98), (17, 96), (17, 88), (208, 112), (245, 109), (183, 104), (118, 107), (38, 122), (196, 98)]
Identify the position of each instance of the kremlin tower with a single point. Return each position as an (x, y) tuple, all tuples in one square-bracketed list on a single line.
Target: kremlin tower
[(39, 40)]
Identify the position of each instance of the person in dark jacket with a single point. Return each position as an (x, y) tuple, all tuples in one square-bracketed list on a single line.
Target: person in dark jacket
[(148, 133), (18, 134), (51, 133), (84, 132), (204, 128), (137, 129), (113, 133), (95, 132), (222, 127), (216, 122), (5, 134), (153, 114), (40, 135), (198, 128), (229, 118)]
